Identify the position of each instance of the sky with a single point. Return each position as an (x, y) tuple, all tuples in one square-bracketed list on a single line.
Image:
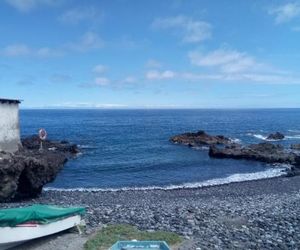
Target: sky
[(150, 53)]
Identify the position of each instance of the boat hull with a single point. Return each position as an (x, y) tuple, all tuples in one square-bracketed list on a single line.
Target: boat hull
[(13, 236)]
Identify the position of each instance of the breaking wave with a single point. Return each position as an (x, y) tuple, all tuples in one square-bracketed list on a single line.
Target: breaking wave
[(269, 173), (263, 137)]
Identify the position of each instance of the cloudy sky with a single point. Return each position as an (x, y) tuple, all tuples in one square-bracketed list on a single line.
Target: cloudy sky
[(154, 54)]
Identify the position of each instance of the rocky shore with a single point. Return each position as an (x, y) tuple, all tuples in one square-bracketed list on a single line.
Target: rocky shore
[(261, 214), (223, 147), (24, 173)]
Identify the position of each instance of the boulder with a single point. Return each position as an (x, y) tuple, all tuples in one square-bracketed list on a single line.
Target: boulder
[(24, 173), (276, 136), (200, 138)]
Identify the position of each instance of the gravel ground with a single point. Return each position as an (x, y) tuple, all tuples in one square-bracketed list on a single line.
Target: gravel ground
[(262, 214)]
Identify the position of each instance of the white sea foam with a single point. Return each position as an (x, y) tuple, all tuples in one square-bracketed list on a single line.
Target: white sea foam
[(262, 137), (258, 136), (269, 173), (292, 137), (236, 140), (85, 146)]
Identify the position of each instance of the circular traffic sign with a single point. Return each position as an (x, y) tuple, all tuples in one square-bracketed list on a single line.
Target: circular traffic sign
[(42, 134)]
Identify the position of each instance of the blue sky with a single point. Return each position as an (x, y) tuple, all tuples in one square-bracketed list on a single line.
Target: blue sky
[(153, 54)]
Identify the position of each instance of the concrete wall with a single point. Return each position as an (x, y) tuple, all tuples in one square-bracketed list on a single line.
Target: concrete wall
[(9, 127)]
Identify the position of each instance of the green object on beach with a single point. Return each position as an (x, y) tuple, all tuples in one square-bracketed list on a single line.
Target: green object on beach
[(140, 245), (42, 214), (109, 235)]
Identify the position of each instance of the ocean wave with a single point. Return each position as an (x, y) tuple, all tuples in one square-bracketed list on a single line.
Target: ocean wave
[(292, 137), (201, 147), (86, 146), (262, 137), (294, 130), (236, 140), (269, 173)]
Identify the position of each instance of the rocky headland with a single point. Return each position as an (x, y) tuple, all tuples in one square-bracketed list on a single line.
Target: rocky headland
[(223, 147), (24, 173)]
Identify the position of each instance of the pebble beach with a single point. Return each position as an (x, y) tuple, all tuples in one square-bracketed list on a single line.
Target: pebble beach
[(261, 214)]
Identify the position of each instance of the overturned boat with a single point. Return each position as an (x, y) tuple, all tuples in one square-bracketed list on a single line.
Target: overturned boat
[(18, 225)]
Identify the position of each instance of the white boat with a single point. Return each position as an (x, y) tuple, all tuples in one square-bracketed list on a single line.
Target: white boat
[(11, 236)]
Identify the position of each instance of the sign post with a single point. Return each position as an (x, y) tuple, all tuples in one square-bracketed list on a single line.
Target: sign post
[(42, 136)]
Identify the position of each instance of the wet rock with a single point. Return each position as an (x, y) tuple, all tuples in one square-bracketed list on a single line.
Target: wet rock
[(264, 152), (24, 173), (295, 146), (200, 138), (275, 136)]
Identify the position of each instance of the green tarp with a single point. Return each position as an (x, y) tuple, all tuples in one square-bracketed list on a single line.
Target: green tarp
[(42, 214)]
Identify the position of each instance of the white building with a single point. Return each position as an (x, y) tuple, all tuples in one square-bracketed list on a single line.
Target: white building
[(9, 125)]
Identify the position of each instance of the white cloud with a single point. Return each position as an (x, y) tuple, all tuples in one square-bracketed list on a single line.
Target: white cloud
[(48, 52), (101, 81), (28, 5), (159, 75), (227, 61), (100, 69), (87, 105), (286, 12), (129, 79), (88, 41), (151, 63), (264, 78), (192, 31), (16, 50), (76, 15), (233, 65)]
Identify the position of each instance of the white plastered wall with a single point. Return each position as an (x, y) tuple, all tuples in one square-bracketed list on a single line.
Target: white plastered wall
[(9, 127)]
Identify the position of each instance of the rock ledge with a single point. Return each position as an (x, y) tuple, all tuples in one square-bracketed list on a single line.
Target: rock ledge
[(24, 173)]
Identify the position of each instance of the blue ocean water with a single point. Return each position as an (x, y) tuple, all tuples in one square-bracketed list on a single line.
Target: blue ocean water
[(131, 148)]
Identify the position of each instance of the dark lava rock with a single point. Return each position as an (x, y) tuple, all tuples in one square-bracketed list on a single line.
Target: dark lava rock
[(33, 143), (199, 139), (276, 136), (24, 173), (295, 146), (264, 152)]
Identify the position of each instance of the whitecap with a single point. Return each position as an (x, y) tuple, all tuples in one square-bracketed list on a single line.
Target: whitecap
[(292, 137), (236, 140), (269, 173)]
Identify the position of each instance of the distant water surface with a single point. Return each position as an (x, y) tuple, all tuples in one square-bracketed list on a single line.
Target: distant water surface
[(131, 148)]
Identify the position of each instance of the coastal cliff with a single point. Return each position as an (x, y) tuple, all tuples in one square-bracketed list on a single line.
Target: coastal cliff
[(24, 173)]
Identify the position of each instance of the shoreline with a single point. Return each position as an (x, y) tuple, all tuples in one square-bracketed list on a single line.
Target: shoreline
[(251, 214), (262, 175)]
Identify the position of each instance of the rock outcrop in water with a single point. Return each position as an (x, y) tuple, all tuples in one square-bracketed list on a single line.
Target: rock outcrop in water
[(264, 152), (276, 136), (295, 146), (24, 173), (200, 138), (223, 147)]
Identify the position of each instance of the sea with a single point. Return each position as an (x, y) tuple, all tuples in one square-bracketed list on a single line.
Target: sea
[(130, 149)]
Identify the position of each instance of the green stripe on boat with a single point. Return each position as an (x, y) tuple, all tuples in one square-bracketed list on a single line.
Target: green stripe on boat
[(42, 214)]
